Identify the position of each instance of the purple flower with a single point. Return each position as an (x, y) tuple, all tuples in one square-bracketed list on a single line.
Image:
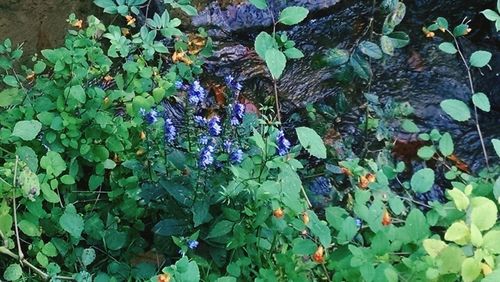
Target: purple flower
[(203, 140), (206, 157), (227, 145), (196, 93), (214, 127), (359, 223), (149, 117), (179, 85), (200, 121), (192, 244), (236, 157), (282, 143), (233, 85), (321, 186), (237, 114), (170, 131)]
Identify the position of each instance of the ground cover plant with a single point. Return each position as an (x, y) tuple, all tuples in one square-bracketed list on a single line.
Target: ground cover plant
[(119, 162)]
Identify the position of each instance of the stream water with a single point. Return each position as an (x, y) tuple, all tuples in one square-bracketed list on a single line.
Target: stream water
[(419, 73)]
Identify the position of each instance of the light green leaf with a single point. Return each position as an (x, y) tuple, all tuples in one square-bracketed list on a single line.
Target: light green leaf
[(72, 222), (27, 129), (88, 256), (426, 152), (471, 268), (422, 180), (491, 15), (496, 146), (370, 49), (480, 59), (446, 144), (447, 47), (399, 39), (409, 126), (13, 272), (293, 15), (293, 53), (491, 241), (53, 163), (450, 259), (311, 141), (78, 93), (260, 4), (476, 238), (457, 109), (303, 247), (29, 228), (264, 42), (387, 45), (460, 200), (458, 232), (481, 101), (433, 247), (481, 207), (336, 57), (276, 62), (10, 80)]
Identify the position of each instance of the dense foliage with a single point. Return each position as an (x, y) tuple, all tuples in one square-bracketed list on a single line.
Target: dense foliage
[(119, 163)]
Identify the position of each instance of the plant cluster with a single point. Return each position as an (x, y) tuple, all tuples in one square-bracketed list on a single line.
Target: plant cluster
[(118, 163)]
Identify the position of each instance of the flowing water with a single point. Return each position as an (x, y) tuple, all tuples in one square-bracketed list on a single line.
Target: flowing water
[(419, 73)]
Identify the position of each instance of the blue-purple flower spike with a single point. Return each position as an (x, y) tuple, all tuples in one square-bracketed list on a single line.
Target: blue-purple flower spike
[(170, 131), (236, 157), (206, 157), (196, 93), (233, 85), (282, 143), (237, 114), (321, 186), (192, 244), (214, 127), (149, 117)]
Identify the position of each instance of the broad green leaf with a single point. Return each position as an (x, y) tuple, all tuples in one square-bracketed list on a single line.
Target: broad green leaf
[(476, 238), (49, 250), (170, 227), (67, 179), (399, 39), (49, 195), (336, 57), (426, 152), (276, 62), (450, 259), (433, 246), (27, 129), (447, 47), (53, 163), (293, 15), (293, 53), (394, 18), (320, 229), (370, 49), (422, 180), (457, 109), (311, 141), (10, 80), (264, 42), (88, 256), (481, 101), (496, 145), (28, 155), (446, 144), (458, 232), (481, 207), (303, 247), (480, 59), (260, 4), (396, 204), (361, 66), (10, 96), (42, 259), (39, 67), (471, 268), (13, 272), (409, 126), (78, 93), (416, 225), (387, 45), (491, 15), (491, 241), (115, 239), (460, 200), (71, 222), (222, 228), (29, 228), (348, 230)]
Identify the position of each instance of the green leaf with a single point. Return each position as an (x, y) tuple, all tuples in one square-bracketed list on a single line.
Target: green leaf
[(78, 93), (311, 141), (293, 15), (320, 229), (260, 4), (491, 15), (396, 204), (170, 227), (49, 195), (433, 247), (422, 180), (49, 250), (303, 247), (39, 67), (88, 256), (387, 45), (10, 96), (496, 145), (348, 230), (13, 272), (409, 126), (457, 109), (264, 42), (460, 200), (53, 163), (28, 155), (482, 206), (10, 80), (115, 239), (447, 47), (67, 179), (293, 53), (222, 228), (471, 268), (336, 57), (361, 66), (276, 62), (416, 225), (461, 30), (426, 152), (491, 241), (370, 49), (27, 129), (480, 59), (458, 232), (72, 222), (481, 101), (446, 144), (399, 39), (394, 18), (442, 23), (450, 259), (29, 228)]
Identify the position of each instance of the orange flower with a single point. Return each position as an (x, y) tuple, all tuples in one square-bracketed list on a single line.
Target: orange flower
[(346, 171), (130, 20), (30, 76), (164, 278), (430, 34), (305, 218), (386, 219), (278, 213), (108, 78), (318, 256), (371, 177), (78, 24), (180, 56), (363, 182), (125, 31)]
